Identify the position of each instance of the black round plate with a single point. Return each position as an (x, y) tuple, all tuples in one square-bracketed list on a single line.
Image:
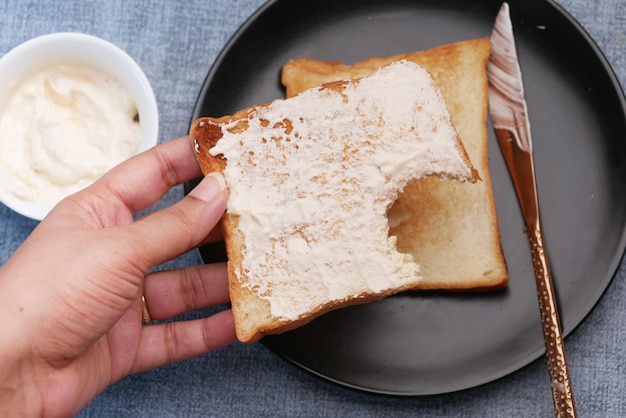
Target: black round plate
[(433, 343)]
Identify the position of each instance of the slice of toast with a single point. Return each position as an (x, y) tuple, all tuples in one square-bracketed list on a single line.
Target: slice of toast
[(311, 179), (450, 228)]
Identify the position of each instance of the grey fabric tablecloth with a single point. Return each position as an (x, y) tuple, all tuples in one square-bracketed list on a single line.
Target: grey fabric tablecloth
[(175, 42)]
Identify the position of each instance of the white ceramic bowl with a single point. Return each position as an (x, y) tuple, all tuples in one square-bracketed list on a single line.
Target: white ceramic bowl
[(86, 49)]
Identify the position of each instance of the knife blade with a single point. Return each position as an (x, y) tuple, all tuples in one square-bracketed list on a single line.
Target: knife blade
[(509, 116)]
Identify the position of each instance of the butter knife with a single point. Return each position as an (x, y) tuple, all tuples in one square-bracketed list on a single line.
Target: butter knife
[(510, 120)]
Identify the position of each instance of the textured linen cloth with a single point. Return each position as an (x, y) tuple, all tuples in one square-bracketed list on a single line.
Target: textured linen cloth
[(175, 42)]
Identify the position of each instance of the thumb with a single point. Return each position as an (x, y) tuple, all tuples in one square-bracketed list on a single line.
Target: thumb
[(170, 232)]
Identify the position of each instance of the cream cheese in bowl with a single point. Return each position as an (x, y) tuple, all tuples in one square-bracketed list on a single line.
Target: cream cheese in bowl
[(68, 117), (75, 123)]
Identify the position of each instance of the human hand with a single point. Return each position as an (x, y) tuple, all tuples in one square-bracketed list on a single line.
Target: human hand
[(70, 296)]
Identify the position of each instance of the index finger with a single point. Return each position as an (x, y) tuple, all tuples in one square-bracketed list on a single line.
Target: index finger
[(143, 179)]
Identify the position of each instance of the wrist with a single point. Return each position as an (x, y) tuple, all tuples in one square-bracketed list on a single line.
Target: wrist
[(17, 393)]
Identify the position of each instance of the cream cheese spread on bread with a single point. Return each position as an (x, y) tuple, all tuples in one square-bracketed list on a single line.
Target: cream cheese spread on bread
[(311, 179)]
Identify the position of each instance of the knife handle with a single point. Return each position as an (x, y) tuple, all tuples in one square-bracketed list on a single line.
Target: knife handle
[(552, 331)]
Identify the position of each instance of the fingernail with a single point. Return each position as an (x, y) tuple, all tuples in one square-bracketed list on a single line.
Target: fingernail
[(210, 187)]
